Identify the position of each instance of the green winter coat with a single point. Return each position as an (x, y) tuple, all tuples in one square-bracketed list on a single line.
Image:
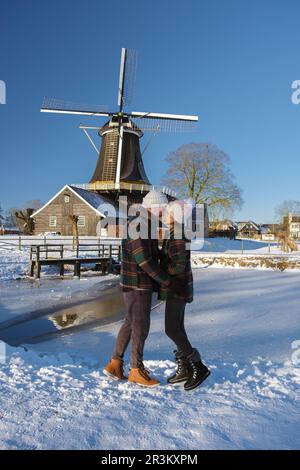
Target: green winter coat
[(175, 259), (140, 267)]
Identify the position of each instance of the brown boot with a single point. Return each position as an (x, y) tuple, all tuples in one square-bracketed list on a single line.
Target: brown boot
[(115, 369), (141, 377)]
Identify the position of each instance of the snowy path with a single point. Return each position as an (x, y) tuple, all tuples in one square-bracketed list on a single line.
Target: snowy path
[(244, 322)]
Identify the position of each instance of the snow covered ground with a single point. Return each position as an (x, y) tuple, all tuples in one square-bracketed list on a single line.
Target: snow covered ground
[(13, 263), (245, 322)]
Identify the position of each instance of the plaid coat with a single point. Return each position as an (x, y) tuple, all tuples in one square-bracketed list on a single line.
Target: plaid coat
[(176, 261), (140, 267)]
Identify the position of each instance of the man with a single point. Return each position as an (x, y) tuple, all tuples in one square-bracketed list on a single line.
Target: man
[(140, 271)]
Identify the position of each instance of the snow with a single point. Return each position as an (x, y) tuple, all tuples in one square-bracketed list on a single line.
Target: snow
[(225, 245), (55, 395), (13, 263), (245, 323)]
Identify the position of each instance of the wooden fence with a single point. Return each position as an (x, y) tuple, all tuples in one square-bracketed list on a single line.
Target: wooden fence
[(25, 241)]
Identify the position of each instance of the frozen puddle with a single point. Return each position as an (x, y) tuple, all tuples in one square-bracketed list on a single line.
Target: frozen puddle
[(98, 305)]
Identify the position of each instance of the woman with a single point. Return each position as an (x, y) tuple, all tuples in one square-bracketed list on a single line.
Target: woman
[(175, 260)]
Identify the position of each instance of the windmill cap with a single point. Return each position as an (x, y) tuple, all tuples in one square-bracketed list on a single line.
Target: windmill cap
[(155, 198)]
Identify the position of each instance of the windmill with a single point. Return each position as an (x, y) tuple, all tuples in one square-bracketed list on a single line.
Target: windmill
[(119, 167)]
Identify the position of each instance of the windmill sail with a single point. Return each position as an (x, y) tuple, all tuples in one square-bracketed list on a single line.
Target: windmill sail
[(164, 125), (121, 80), (160, 122), (130, 76), (120, 163), (53, 105), (127, 77)]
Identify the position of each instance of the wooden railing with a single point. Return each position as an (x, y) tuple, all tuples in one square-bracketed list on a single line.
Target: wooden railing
[(39, 252), (106, 257), (26, 241)]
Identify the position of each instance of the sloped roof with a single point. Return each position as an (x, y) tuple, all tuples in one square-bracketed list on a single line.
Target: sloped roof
[(100, 204), (227, 222), (241, 225)]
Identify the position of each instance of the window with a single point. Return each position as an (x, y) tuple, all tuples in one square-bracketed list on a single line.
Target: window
[(52, 221), (81, 221), (67, 198)]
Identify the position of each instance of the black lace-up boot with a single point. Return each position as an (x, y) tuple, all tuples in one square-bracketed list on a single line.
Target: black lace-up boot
[(198, 372), (182, 373)]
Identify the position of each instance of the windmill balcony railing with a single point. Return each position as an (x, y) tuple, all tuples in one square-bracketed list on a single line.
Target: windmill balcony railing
[(110, 186)]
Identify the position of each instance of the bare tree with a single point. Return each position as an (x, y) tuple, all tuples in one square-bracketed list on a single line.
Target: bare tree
[(21, 216), (201, 171), (25, 221), (286, 207), (74, 221)]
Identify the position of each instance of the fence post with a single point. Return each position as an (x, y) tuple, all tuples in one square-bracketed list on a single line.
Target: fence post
[(61, 251), (99, 247), (38, 252), (269, 247), (242, 246), (20, 242)]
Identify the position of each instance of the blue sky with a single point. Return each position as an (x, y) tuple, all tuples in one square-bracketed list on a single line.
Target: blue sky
[(231, 62)]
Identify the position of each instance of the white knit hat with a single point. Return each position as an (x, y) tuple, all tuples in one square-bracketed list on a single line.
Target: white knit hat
[(155, 198)]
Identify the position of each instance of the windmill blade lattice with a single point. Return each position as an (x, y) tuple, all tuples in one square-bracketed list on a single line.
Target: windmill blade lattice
[(163, 125), (71, 106), (130, 76)]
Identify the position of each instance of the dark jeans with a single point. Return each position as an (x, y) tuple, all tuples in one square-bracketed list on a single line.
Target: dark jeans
[(174, 328), (136, 326)]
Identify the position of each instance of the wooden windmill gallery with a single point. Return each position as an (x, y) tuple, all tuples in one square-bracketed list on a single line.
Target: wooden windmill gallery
[(119, 169)]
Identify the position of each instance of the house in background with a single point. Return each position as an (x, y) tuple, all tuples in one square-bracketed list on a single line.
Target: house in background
[(292, 223), (248, 229), (269, 232), (223, 228), (90, 207)]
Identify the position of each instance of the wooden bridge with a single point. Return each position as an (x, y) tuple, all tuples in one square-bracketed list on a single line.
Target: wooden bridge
[(106, 258)]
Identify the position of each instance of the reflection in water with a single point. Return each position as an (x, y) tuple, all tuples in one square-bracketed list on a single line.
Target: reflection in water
[(109, 305), (98, 308), (64, 320), (85, 309)]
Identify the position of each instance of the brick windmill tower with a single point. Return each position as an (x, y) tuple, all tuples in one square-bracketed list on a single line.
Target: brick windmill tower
[(119, 169)]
